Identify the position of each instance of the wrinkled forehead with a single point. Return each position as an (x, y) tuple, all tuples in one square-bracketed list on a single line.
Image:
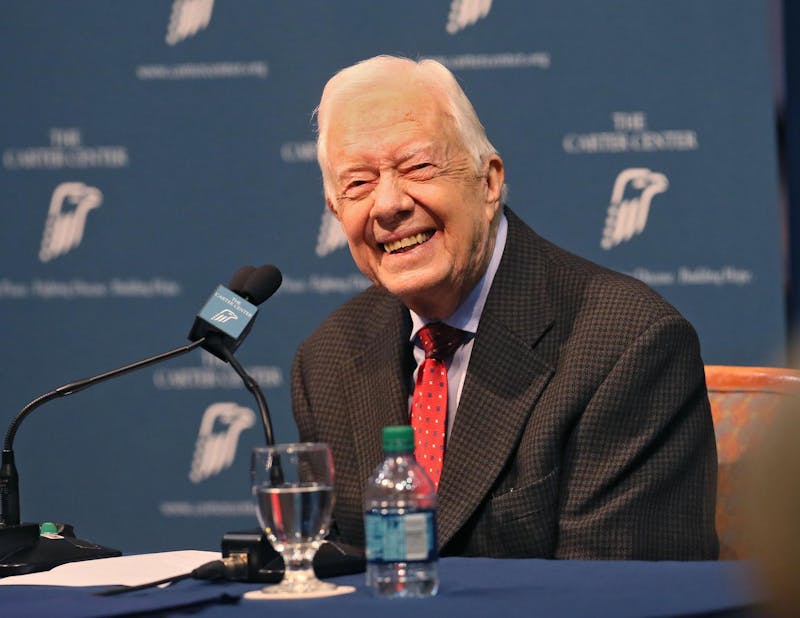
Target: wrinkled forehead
[(388, 129)]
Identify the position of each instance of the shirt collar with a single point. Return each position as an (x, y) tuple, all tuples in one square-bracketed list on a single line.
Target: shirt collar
[(468, 313)]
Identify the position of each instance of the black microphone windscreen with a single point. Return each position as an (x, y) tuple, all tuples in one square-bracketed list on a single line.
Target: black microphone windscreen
[(262, 283), (240, 277)]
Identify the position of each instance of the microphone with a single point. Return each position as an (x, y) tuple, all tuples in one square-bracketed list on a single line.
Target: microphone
[(258, 285), (228, 315), (248, 285), (239, 279), (259, 562), (20, 548)]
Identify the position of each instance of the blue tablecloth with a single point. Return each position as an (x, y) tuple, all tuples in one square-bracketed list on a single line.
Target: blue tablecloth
[(469, 587)]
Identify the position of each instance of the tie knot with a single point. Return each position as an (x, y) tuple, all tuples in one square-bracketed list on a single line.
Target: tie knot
[(440, 340)]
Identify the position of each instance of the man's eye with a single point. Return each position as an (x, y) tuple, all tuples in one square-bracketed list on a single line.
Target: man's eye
[(420, 171), (356, 189)]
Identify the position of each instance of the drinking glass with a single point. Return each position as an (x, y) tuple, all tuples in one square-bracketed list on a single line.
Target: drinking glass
[(293, 489)]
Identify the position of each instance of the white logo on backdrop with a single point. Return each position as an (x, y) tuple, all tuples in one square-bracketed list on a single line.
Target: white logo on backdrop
[(627, 217), (215, 451), (188, 17), (331, 236), (63, 230), (464, 13), (224, 316)]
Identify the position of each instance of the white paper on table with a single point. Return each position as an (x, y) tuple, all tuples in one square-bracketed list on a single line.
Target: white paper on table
[(120, 571)]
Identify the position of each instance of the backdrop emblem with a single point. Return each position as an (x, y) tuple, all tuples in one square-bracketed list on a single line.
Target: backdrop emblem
[(464, 13), (66, 218), (188, 17), (633, 192), (331, 236), (218, 438)]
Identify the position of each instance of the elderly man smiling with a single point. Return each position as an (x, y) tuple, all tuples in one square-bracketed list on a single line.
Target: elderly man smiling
[(574, 421)]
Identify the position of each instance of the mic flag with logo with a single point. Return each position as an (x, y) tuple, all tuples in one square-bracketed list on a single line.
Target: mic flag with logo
[(227, 316)]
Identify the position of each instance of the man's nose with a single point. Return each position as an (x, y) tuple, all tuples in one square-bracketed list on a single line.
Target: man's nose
[(392, 202)]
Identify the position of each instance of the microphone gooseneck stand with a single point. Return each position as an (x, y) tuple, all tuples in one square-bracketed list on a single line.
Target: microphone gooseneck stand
[(238, 566), (26, 548), (22, 550), (253, 387), (9, 479)]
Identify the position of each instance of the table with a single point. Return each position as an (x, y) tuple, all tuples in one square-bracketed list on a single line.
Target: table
[(469, 587)]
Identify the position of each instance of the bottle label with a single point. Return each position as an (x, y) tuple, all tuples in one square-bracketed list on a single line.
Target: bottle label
[(400, 537)]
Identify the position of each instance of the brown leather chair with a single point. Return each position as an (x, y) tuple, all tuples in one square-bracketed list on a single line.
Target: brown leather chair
[(744, 401)]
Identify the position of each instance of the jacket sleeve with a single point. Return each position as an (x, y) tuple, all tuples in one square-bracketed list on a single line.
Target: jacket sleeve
[(301, 408), (639, 469), (304, 417)]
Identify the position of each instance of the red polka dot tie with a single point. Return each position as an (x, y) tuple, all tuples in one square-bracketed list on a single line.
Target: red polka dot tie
[(429, 405)]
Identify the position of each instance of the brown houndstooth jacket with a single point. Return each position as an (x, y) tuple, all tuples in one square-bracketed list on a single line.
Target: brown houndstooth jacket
[(583, 429)]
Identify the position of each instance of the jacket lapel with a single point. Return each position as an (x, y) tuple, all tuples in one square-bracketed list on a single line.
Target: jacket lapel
[(378, 393), (505, 377)]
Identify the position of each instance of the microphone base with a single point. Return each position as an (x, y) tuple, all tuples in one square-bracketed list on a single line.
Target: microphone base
[(265, 565), (17, 537), (23, 550)]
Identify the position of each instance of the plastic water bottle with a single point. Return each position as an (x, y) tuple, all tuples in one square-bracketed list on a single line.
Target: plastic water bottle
[(400, 522)]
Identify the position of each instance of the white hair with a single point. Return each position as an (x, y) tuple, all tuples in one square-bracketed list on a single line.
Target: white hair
[(373, 71)]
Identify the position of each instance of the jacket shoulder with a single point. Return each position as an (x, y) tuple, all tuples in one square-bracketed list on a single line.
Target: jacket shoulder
[(590, 305), (573, 279), (359, 319)]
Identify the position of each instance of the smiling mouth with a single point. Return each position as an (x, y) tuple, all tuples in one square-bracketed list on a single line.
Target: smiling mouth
[(407, 243)]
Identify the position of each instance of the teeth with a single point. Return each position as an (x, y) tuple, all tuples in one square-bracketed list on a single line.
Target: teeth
[(408, 241)]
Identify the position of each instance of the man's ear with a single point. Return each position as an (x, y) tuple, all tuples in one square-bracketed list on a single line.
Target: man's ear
[(495, 177)]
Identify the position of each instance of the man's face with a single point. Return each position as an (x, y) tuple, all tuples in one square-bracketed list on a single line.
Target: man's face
[(416, 212)]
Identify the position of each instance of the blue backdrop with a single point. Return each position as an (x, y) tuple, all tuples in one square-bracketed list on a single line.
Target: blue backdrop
[(151, 148)]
